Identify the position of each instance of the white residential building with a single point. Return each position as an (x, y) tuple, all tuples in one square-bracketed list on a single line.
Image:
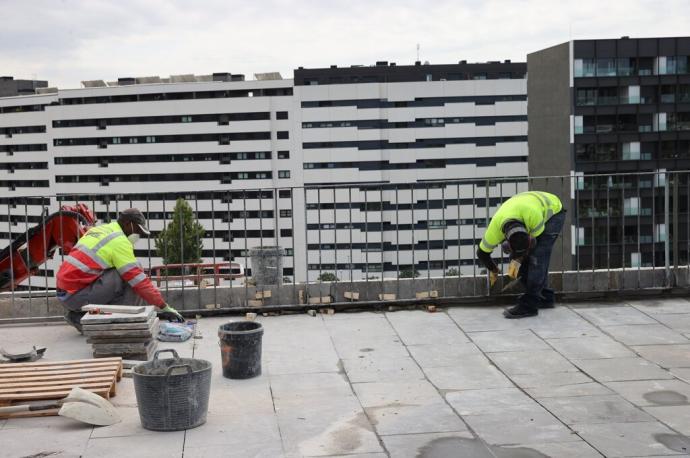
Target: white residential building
[(322, 136)]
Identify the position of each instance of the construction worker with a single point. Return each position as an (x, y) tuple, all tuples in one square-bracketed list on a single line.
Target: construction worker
[(530, 223), (102, 269)]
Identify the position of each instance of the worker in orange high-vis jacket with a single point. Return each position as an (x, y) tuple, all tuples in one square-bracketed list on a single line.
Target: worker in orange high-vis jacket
[(102, 269)]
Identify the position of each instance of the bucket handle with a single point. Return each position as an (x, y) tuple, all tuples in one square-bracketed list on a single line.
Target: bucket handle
[(168, 373), (175, 355)]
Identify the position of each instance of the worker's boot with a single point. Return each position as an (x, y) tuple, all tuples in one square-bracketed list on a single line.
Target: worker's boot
[(548, 299), (74, 319), (520, 311)]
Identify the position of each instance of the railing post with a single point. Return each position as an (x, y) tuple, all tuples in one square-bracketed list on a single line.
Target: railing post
[(667, 248)]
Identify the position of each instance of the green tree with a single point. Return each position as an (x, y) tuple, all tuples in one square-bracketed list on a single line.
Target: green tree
[(182, 239), (409, 273), (327, 276), (452, 272)]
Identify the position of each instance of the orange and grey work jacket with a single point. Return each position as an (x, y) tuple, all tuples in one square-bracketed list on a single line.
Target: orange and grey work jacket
[(105, 247)]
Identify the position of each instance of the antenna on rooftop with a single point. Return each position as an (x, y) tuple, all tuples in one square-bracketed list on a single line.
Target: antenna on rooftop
[(417, 51)]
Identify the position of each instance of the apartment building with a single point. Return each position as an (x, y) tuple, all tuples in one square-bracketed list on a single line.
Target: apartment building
[(619, 111), (274, 161)]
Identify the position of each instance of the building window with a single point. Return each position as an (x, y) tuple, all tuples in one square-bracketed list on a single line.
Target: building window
[(428, 77), (260, 155), (631, 206), (578, 125), (583, 67), (283, 174), (150, 139), (660, 232), (606, 67), (242, 175), (436, 223), (283, 135), (186, 119), (281, 115), (284, 193), (117, 140), (631, 151), (580, 236), (241, 156), (286, 213), (286, 232), (635, 260), (133, 140), (283, 154), (261, 175)]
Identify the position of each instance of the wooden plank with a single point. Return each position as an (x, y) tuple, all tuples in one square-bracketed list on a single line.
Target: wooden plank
[(60, 363), (70, 371), (105, 392), (53, 378), (25, 383), (35, 413), (129, 309), (31, 368), (68, 386)]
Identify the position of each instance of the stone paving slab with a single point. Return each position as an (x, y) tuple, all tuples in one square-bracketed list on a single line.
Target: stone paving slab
[(621, 369), (578, 380), (645, 334)]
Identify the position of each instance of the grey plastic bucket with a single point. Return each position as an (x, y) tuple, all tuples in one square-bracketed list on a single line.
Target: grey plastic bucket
[(172, 394), (240, 349)]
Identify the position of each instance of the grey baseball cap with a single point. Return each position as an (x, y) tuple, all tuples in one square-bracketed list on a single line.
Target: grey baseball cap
[(135, 215)]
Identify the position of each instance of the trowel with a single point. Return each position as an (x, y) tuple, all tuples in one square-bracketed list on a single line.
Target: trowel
[(80, 405)]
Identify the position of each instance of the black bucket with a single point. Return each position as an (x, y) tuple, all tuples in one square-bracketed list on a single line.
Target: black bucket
[(240, 349), (172, 394)]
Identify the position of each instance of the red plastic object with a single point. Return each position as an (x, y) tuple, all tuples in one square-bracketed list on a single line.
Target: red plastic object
[(25, 254)]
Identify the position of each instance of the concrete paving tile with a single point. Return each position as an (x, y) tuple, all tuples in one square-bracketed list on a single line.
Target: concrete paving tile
[(645, 334), (362, 327), (295, 389), (520, 424), (161, 444), (482, 402), (666, 356), (130, 426), (301, 363), (402, 418), (676, 417), (579, 449), (66, 438), (653, 392), (513, 340), (682, 373), (655, 306), (626, 439), (420, 328), (408, 392), (243, 451), (531, 362), (576, 330), (677, 321), (601, 315), (436, 445), (330, 427), (442, 355), (250, 433), (2, 423), (238, 397), (351, 347), (594, 409), (620, 369), (579, 389), (590, 348), (485, 318), (550, 379), (370, 367), (62, 341), (467, 377)]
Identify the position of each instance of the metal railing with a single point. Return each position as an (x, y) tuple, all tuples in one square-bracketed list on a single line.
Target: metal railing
[(373, 242)]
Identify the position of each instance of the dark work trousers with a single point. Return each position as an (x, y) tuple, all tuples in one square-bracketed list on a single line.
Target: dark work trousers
[(534, 274), (109, 288)]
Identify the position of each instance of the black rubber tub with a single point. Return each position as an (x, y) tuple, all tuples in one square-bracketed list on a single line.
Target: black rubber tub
[(172, 394), (240, 349)]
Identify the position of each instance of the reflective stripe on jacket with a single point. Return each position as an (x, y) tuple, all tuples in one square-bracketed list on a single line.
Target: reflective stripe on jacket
[(105, 247), (533, 209)]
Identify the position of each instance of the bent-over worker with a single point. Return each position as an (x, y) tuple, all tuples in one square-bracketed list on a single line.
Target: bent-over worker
[(102, 269), (530, 223)]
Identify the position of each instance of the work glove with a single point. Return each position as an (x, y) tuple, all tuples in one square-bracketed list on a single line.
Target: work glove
[(514, 269), (170, 314), (493, 276)]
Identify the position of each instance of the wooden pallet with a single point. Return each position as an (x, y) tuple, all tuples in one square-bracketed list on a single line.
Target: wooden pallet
[(45, 381)]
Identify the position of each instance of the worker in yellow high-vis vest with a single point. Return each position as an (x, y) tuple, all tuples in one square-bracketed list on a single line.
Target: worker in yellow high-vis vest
[(527, 225)]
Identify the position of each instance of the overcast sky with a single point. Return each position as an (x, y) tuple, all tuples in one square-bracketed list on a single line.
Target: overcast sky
[(67, 41)]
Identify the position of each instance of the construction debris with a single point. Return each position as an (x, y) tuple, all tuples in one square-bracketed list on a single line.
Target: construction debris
[(311, 312), (427, 294), (250, 316), (129, 335), (27, 355)]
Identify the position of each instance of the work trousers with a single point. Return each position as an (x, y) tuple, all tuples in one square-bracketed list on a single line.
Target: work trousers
[(534, 273)]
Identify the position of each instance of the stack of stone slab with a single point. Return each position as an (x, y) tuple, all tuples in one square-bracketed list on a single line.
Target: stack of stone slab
[(129, 335)]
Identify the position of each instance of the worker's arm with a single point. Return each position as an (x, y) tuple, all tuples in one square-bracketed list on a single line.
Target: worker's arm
[(485, 258), (492, 238), (130, 270)]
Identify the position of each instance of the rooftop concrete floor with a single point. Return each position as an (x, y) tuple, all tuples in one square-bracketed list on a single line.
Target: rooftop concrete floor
[(582, 380)]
